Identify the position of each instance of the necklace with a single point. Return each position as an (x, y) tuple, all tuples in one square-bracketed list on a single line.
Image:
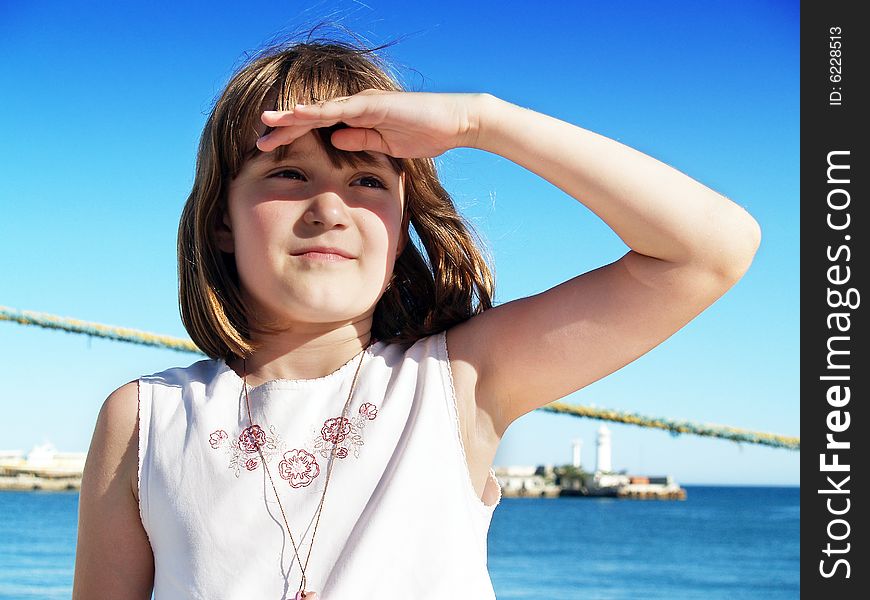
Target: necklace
[(302, 593)]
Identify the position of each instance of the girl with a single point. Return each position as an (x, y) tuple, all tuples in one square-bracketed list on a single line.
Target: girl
[(338, 441)]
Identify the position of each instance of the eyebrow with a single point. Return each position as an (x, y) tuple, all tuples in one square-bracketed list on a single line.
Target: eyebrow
[(283, 153)]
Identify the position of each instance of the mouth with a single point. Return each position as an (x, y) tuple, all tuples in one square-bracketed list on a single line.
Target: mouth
[(324, 253)]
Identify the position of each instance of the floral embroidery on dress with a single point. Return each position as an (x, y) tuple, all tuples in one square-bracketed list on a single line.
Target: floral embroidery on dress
[(335, 430), (298, 466), (242, 451), (368, 410), (252, 438), (217, 438), (343, 433)]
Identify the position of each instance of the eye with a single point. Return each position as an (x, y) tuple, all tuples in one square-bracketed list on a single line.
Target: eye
[(289, 174), (372, 182)]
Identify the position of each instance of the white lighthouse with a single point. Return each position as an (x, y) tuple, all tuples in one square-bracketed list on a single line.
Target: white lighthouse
[(575, 446), (602, 458)]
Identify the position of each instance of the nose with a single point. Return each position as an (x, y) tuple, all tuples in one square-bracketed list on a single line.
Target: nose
[(327, 210)]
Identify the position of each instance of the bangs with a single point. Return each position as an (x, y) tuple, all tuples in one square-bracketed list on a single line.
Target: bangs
[(337, 158), (299, 76)]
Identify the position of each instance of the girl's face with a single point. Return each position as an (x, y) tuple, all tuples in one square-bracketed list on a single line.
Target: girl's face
[(279, 210)]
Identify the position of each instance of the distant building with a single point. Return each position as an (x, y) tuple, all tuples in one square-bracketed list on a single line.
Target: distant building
[(526, 481), (571, 480), (606, 484), (652, 487), (43, 468), (602, 457), (575, 447)]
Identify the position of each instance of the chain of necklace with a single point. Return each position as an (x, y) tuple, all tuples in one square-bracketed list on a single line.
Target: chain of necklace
[(301, 593)]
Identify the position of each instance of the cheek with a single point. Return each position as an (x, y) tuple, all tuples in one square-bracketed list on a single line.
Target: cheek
[(262, 225), (257, 234), (382, 231)]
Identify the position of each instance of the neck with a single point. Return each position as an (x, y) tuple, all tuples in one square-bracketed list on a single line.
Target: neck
[(303, 354)]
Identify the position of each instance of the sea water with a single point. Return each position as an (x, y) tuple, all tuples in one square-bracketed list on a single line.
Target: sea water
[(721, 542)]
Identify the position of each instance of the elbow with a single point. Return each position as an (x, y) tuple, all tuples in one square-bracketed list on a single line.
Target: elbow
[(743, 241)]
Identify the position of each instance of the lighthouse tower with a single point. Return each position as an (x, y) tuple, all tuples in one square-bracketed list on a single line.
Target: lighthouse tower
[(575, 446), (602, 458)]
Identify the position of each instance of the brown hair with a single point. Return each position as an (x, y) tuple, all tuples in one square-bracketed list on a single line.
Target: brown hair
[(426, 295)]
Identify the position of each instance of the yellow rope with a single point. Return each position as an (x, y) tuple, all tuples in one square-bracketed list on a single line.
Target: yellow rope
[(135, 336), (122, 334), (677, 427)]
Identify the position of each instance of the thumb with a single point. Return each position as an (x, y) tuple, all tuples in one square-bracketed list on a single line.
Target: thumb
[(358, 139)]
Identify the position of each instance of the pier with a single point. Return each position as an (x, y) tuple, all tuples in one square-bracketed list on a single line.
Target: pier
[(547, 481), (43, 468)]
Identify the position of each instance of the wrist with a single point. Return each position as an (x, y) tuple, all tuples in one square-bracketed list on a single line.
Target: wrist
[(480, 108), (489, 118)]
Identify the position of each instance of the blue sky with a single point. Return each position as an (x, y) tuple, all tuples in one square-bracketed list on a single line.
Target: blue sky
[(103, 105)]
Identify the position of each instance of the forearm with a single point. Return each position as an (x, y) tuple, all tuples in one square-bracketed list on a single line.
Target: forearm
[(655, 209)]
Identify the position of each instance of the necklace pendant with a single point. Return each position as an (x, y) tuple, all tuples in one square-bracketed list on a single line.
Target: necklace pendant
[(305, 596)]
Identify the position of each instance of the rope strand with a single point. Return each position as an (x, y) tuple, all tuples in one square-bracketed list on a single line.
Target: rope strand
[(675, 427)]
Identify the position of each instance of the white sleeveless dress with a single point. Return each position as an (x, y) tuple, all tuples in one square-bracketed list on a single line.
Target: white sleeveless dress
[(401, 519)]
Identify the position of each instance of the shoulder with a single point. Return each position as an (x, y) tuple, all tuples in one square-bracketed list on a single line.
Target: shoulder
[(117, 403), (113, 555), (200, 371), (115, 441), (119, 412), (405, 353)]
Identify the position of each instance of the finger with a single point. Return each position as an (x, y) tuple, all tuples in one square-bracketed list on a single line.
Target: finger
[(336, 109), (359, 139), (276, 118), (282, 136), (302, 112), (287, 134)]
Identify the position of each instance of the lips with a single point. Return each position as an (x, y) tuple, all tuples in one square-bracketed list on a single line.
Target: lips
[(325, 250)]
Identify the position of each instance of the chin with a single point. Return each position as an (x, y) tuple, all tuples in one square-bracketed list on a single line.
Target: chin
[(325, 313)]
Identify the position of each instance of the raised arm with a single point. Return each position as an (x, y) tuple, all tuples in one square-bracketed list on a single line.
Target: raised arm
[(689, 245), (113, 556)]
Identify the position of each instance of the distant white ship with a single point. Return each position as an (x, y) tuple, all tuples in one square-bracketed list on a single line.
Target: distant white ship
[(43, 468)]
